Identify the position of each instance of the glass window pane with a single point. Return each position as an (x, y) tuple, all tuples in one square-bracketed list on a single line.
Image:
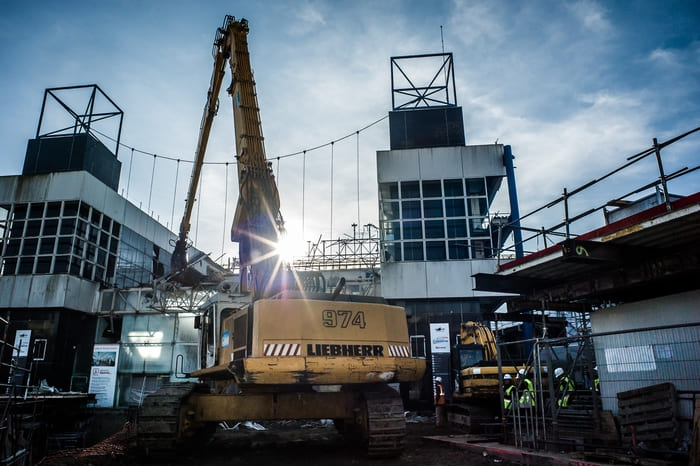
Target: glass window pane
[(435, 250), (46, 246), (478, 227), (476, 187), (412, 230), (17, 230), (67, 226), (113, 244), (434, 229), (432, 188), (43, 264), (53, 209), (96, 217), (87, 271), (104, 239), (392, 231), (12, 248), (413, 251), (388, 191), (64, 244), (84, 211), (432, 208), (481, 248), (459, 249), (116, 228), (9, 266), (50, 227), (26, 265), (29, 247), (106, 223), (454, 207), (453, 188), (392, 252), (390, 210), (78, 247), (477, 206), (20, 211), (82, 229), (70, 209), (36, 210), (410, 189), (61, 264), (411, 209), (457, 228), (33, 228), (75, 266)]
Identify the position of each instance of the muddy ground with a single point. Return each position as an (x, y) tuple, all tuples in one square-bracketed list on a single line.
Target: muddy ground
[(283, 443)]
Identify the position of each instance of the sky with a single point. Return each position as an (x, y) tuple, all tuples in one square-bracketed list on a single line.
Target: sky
[(575, 87)]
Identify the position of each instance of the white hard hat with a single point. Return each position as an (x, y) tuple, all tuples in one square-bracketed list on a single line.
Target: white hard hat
[(507, 377), (558, 371), (595, 368), (521, 372), (438, 379)]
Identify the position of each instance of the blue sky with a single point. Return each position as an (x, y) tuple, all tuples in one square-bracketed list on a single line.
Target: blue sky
[(573, 86)]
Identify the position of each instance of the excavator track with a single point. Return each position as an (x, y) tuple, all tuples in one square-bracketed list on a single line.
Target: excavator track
[(158, 426), (386, 424)]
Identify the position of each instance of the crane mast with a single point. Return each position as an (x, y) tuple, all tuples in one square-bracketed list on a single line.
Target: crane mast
[(257, 221)]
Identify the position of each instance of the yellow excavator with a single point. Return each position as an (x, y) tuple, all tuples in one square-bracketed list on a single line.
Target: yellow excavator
[(276, 351), (477, 397)]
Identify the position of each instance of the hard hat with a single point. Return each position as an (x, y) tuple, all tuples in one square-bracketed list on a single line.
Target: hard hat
[(595, 368), (558, 371), (521, 372), (438, 379), (507, 377)]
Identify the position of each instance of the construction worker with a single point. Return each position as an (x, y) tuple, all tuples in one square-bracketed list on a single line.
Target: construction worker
[(596, 380), (439, 395), (565, 388), (527, 390), (439, 400), (508, 390)]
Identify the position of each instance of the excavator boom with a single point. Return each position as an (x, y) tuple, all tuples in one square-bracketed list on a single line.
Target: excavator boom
[(257, 221)]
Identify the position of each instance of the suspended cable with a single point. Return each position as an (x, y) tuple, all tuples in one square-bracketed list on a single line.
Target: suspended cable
[(199, 193), (131, 163), (358, 178), (223, 235), (303, 192), (291, 154), (172, 213), (332, 144), (153, 173)]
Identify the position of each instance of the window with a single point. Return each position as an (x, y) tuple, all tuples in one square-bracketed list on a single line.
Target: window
[(434, 229), (389, 190), (459, 249), (413, 250), (410, 189), (411, 209), (439, 219), (432, 208), (432, 188), (412, 230), (453, 188), (435, 250)]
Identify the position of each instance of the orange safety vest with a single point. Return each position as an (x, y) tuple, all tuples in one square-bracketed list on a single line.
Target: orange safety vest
[(440, 394)]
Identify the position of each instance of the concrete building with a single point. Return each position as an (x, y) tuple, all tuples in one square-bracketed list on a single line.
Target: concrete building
[(67, 238), (435, 195)]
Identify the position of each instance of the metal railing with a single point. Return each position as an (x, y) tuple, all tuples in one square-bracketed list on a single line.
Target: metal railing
[(541, 237)]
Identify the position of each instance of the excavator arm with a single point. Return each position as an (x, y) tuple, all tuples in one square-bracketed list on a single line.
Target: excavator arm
[(257, 222)]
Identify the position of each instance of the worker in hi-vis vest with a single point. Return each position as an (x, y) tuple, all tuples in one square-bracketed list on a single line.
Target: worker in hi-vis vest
[(527, 390), (565, 387), (508, 391)]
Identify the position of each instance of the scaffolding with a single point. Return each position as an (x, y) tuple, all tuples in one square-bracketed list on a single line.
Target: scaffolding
[(361, 251)]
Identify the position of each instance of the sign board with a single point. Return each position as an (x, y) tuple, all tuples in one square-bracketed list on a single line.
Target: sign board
[(22, 338), (103, 374), (440, 338)]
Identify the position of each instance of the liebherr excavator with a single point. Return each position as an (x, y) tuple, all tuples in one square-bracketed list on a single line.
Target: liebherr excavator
[(282, 353)]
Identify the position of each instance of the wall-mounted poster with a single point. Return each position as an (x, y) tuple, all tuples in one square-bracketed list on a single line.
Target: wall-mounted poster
[(103, 375)]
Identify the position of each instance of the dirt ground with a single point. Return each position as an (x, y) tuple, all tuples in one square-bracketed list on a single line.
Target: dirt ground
[(284, 443)]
